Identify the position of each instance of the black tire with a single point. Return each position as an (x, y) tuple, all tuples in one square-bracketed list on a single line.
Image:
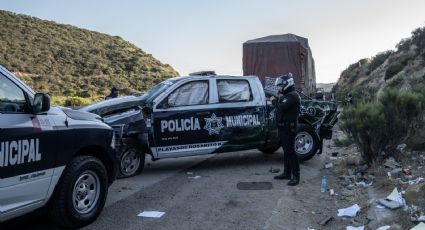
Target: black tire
[(131, 160), (269, 149), (306, 142), (82, 176)]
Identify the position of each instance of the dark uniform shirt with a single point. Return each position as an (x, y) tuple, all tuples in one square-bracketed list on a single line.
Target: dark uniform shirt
[(287, 111)]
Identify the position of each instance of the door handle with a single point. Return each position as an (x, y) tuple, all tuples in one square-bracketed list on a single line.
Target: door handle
[(203, 113)]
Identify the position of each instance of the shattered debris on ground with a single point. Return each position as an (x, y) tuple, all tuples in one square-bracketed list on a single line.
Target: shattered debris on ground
[(401, 174)]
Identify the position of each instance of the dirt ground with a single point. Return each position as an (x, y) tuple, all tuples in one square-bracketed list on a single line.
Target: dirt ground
[(356, 182), (214, 201)]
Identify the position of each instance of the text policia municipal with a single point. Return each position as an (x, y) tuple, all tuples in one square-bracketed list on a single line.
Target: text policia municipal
[(192, 123), (19, 152)]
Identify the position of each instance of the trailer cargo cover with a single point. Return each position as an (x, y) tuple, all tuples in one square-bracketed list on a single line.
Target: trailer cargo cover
[(276, 55)]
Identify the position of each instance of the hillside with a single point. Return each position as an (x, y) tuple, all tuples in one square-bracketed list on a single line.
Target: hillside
[(403, 69), (389, 96), (64, 60)]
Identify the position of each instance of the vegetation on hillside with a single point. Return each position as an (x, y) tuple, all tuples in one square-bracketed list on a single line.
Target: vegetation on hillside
[(64, 60), (393, 118), (389, 98), (402, 65)]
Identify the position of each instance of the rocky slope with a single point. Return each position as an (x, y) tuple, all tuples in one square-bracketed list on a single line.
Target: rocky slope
[(403, 68)]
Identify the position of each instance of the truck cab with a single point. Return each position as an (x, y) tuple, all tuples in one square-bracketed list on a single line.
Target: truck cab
[(197, 115), (201, 115), (51, 156)]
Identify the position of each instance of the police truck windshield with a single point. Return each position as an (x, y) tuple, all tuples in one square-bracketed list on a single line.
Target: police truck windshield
[(158, 89)]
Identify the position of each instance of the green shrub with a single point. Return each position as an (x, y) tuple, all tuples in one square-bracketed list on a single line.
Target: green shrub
[(55, 100), (379, 59), (344, 142), (365, 123), (404, 44), (418, 38), (393, 69), (375, 125), (360, 94), (76, 101)]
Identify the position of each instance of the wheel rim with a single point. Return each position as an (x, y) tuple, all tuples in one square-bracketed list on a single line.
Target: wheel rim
[(303, 143), (130, 162), (86, 192)]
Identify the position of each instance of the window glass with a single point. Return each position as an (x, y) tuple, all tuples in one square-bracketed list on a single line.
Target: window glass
[(192, 93), (12, 98), (233, 91), (158, 89)]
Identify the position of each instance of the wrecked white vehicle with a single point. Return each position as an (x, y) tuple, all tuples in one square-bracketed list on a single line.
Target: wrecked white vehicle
[(196, 115)]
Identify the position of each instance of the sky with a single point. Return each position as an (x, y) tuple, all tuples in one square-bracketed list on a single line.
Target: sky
[(195, 35)]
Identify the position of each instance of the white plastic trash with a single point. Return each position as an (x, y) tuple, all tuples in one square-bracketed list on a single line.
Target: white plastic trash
[(355, 228), (420, 226), (350, 211), (151, 214)]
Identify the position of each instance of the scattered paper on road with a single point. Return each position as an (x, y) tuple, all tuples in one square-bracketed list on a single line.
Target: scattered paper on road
[(151, 214), (416, 181), (363, 184), (386, 227), (420, 226), (389, 203), (355, 228), (380, 206), (350, 211), (396, 196)]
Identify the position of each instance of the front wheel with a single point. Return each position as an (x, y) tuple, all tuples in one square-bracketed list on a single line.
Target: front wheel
[(132, 160), (306, 142), (80, 194)]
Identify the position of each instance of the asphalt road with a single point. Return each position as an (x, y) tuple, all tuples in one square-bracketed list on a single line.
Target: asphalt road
[(212, 201)]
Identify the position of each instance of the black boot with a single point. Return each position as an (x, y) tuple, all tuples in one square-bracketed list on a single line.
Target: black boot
[(286, 175), (294, 180)]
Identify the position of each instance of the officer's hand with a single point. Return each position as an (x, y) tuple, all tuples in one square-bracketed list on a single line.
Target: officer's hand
[(272, 98)]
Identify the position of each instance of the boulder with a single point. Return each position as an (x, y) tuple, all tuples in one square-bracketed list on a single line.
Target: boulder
[(415, 195)]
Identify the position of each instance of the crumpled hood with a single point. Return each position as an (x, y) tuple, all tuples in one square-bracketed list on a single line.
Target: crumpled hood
[(80, 115), (112, 106)]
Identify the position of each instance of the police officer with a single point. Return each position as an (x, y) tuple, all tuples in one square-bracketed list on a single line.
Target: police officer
[(113, 94), (287, 111)]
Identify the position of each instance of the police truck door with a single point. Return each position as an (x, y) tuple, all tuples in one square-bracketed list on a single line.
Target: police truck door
[(240, 104), (25, 155), (185, 123)]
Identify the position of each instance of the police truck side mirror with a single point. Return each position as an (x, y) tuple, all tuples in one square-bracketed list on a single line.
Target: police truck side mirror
[(41, 103)]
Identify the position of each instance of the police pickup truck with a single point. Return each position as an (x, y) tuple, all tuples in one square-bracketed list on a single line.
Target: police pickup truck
[(49, 156), (196, 115)]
